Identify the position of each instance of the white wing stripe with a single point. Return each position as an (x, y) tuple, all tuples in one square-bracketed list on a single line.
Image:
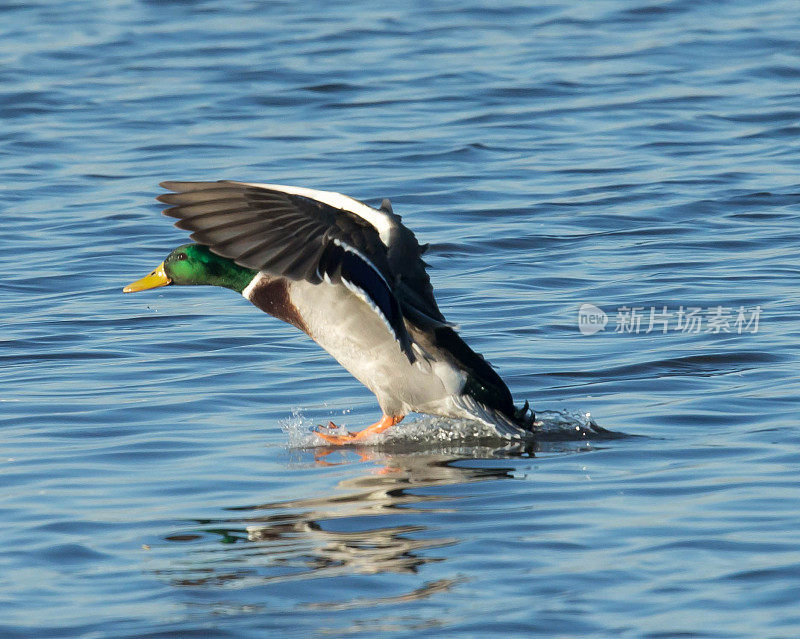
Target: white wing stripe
[(358, 253), (378, 219), (362, 295)]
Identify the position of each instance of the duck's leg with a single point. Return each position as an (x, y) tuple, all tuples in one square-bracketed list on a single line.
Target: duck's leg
[(385, 422)]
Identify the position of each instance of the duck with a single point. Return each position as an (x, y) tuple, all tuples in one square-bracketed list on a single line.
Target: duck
[(352, 278)]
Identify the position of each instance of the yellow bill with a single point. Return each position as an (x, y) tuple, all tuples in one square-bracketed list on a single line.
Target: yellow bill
[(157, 278)]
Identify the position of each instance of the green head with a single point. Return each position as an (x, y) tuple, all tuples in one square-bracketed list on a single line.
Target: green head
[(194, 264)]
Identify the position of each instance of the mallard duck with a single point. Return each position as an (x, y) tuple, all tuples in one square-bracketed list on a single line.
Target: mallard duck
[(352, 278)]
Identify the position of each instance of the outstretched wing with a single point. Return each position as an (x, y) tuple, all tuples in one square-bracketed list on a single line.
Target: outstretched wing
[(297, 233)]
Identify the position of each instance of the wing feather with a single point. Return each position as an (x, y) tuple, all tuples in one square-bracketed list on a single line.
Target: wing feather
[(301, 234), (197, 197)]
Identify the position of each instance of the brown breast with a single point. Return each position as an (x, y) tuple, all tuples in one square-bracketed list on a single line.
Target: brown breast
[(272, 296)]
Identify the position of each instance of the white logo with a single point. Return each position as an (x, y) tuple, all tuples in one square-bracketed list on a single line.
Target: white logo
[(591, 319)]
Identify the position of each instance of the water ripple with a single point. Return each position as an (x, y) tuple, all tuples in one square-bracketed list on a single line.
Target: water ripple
[(163, 480)]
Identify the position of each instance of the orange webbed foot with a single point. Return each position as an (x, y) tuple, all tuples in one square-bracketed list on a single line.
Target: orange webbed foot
[(351, 438)]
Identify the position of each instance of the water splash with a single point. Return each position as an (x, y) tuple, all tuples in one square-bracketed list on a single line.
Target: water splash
[(434, 432)]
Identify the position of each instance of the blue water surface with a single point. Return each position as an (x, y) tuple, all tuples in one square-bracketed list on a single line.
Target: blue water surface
[(158, 474)]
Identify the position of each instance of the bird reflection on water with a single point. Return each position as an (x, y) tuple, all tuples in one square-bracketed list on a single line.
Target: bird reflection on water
[(326, 535), (376, 522)]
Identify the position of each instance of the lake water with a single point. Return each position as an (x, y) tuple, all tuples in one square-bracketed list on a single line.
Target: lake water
[(158, 474)]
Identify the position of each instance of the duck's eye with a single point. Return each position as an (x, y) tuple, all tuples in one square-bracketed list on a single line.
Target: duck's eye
[(182, 256)]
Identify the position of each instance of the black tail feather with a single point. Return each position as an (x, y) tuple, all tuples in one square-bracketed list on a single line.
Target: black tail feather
[(525, 416)]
